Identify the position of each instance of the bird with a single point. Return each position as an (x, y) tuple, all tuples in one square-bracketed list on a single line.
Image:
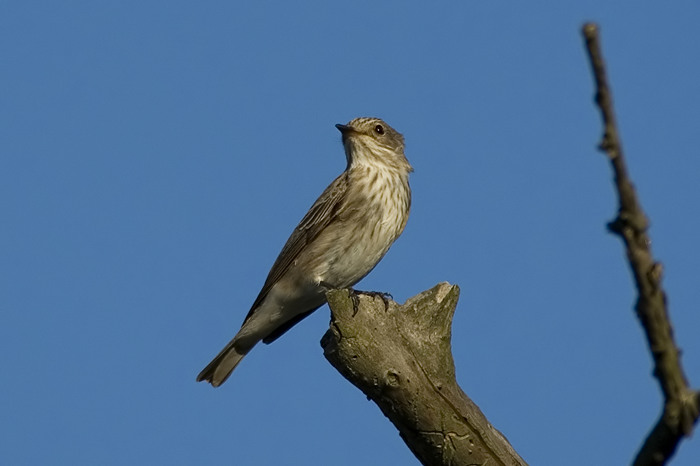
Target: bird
[(342, 237)]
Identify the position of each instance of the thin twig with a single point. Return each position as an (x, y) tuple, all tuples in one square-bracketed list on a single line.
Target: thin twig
[(681, 404)]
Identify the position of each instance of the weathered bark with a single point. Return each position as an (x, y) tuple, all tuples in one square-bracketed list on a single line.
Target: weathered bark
[(400, 357)]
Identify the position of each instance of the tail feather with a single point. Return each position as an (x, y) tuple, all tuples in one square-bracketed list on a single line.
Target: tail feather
[(220, 368)]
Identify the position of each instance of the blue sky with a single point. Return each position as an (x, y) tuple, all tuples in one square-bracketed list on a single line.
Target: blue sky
[(156, 156)]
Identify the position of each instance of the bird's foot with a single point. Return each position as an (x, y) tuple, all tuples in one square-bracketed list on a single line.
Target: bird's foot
[(355, 296)]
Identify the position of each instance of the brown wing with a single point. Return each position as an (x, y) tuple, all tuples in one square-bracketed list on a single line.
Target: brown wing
[(315, 220)]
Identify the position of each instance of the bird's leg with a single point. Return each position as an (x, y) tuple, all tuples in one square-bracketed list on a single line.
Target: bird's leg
[(355, 296)]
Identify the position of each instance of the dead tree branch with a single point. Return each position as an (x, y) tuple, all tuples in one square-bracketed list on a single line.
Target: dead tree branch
[(681, 404), (400, 357)]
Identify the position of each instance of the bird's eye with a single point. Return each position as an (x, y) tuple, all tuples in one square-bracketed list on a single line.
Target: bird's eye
[(379, 129)]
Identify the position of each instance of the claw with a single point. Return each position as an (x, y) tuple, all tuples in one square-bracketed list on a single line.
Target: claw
[(355, 296), (386, 297)]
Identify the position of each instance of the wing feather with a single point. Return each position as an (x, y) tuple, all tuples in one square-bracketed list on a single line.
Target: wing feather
[(316, 219)]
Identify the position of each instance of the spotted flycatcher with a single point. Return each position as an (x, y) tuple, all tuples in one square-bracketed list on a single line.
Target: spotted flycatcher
[(340, 239)]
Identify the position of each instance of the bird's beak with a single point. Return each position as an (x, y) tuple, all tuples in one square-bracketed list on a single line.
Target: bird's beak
[(345, 129)]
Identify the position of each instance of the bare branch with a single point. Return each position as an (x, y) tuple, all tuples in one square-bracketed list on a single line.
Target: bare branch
[(681, 404), (401, 358)]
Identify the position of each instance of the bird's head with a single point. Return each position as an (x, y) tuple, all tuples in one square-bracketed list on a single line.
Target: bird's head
[(373, 141)]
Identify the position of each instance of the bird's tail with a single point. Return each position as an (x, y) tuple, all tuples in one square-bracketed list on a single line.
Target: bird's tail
[(220, 368)]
